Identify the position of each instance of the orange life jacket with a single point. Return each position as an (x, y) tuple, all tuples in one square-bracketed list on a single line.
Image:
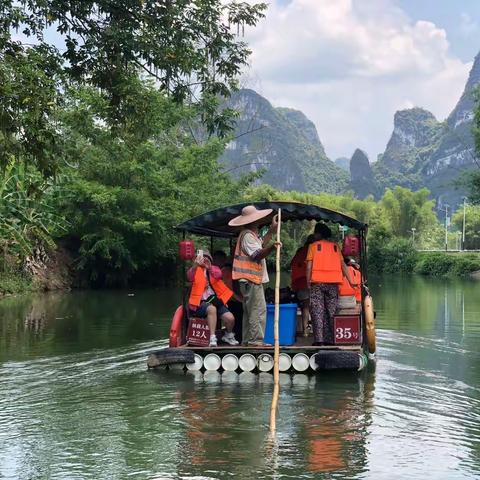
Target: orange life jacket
[(326, 263), (244, 268), (200, 284), (299, 269), (348, 291)]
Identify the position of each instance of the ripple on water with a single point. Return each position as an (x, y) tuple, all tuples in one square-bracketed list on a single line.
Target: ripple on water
[(100, 414)]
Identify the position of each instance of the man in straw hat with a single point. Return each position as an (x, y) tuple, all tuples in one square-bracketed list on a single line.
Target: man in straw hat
[(250, 269)]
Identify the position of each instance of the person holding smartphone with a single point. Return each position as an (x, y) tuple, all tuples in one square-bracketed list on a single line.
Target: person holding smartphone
[(209, 297)]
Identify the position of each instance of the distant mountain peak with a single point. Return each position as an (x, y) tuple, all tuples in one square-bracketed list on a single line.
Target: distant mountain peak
[(284, 143), (463, 111), (302, 122), (361, 175), (412, 128)]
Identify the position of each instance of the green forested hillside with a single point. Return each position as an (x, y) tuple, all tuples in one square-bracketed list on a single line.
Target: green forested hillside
[(282, 143)]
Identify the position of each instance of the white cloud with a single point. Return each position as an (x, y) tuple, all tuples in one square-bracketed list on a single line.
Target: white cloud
[(350, 64)]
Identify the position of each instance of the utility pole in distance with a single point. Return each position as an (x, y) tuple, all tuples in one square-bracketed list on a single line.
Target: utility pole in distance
[(413, 235), (446, 227), (463, 228)]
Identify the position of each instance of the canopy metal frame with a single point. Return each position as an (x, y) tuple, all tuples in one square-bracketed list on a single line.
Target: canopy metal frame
[(215, 222)]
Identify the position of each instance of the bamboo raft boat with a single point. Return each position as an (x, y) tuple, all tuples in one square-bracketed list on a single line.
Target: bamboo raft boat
[(354, 340)]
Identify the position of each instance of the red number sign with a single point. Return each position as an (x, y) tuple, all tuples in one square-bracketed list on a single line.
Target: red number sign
[(198, 333), (347, 330)]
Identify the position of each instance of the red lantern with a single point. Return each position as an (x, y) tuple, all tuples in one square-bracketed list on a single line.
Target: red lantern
[(186, 250), (351, 246)]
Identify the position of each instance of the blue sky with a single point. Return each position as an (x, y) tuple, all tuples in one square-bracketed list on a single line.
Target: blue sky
[(350, 64)]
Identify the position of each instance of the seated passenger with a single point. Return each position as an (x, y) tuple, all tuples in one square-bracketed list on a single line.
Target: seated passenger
[(298, 267), (346, 290), (208, 297)]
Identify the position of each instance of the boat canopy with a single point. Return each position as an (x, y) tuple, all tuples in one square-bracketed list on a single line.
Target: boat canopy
[(215, 222)]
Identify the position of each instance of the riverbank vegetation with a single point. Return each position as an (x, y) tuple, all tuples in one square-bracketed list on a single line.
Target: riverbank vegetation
[(111, 139), (444, 264)]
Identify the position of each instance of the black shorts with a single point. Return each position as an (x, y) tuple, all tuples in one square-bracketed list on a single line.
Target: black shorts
[(201, 311)]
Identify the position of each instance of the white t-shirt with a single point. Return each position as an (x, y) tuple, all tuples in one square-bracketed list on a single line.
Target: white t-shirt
[(250, 245)]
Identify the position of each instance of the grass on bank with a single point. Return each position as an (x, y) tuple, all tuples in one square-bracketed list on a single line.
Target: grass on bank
[(12, 283)]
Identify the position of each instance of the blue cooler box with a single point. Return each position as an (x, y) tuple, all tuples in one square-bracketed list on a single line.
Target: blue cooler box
[(287, 323)]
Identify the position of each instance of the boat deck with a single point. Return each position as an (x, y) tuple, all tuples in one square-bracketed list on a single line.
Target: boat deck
[(302, 344)]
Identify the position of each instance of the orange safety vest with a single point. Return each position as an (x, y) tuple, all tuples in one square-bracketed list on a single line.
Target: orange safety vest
[(326, 263), (299, 269), (200, 284), (244, 268), (346, 290)]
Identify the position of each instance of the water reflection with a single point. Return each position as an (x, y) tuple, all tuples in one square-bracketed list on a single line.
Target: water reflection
[(77, 402), (322, 426), (56, 323)]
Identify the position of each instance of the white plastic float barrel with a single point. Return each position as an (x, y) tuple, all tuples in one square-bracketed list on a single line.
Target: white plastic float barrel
[(300, 362), (363, 361), (265, 362), (197, 364), (284, 362), (212, 362), (247, 362), (313, 363), (230, 362)]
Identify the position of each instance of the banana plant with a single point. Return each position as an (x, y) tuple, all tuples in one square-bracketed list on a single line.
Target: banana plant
[(27, 217)]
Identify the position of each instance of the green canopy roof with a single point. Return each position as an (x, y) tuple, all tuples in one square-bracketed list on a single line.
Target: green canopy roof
[(215, 222)]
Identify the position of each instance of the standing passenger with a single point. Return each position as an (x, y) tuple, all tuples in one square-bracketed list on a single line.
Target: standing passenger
[(325, 271), (298, 267), (250, 269)]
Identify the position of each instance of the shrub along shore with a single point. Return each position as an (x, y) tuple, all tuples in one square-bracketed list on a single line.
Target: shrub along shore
[(406, 259)]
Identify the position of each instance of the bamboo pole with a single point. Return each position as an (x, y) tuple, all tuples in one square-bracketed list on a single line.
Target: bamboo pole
[(276, 371)]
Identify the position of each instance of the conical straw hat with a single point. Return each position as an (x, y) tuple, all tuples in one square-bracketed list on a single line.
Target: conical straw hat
[(249, 215)]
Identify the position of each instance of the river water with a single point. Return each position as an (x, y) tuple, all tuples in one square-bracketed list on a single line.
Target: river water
[(76, 400)]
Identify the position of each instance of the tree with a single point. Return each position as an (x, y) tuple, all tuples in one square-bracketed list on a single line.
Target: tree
[(472, 225), (30, 97), (403, 210), (120, 146), (134, 183), (190, 47)]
